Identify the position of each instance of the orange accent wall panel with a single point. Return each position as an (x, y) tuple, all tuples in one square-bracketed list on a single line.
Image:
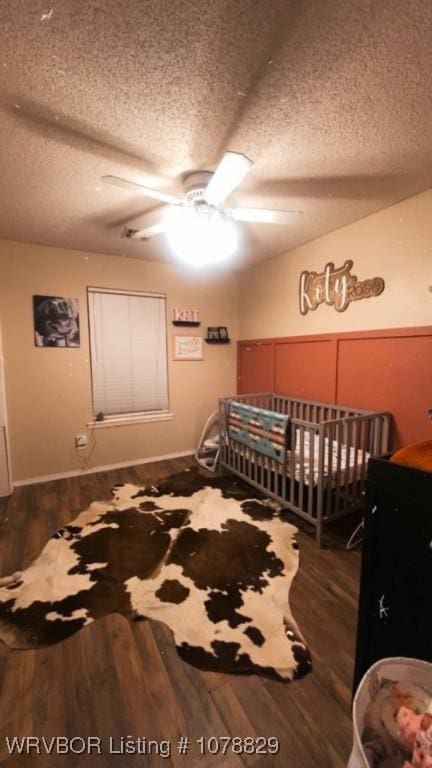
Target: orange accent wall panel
[(305, 369), (388, 370), (255, 367), (393, 374)]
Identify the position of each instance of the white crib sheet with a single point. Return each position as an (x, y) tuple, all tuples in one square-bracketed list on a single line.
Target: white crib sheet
[(349, 467)]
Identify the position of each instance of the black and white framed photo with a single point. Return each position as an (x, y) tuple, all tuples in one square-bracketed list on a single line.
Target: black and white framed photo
[(213, 333), (223, 333), (56, 321)]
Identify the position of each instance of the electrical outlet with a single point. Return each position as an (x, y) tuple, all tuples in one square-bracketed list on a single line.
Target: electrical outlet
[(80, 441)]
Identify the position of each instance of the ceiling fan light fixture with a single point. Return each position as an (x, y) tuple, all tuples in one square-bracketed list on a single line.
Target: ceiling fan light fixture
[(200, 238)]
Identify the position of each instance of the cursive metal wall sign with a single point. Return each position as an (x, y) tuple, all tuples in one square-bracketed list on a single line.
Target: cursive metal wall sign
[(335, 287)]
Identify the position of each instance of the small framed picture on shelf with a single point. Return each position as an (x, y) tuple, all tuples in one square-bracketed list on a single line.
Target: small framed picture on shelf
[(223, 333), (213, 333)]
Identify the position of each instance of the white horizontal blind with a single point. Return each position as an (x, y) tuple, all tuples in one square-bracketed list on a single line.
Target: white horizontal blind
[(128, 352)]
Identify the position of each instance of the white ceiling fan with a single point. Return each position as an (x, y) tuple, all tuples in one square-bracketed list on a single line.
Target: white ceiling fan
[(204, 199)]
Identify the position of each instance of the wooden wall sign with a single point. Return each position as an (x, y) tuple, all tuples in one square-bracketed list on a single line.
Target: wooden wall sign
[(186, 315), (335, 287)]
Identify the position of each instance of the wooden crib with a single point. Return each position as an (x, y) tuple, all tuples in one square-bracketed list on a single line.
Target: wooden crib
[(321, 472)]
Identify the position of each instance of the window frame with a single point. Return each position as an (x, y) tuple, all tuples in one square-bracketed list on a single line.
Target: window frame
[(133, 417)]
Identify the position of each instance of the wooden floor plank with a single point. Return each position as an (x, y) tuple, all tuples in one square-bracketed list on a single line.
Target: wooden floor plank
[(314, 705), (234, 717), (200, 714), (16, 697), (268, 721)]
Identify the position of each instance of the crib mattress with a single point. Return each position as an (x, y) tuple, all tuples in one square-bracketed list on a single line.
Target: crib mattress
[(344, 465)]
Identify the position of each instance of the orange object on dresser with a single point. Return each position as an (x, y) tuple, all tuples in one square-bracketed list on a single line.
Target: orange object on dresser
[(416, 456)]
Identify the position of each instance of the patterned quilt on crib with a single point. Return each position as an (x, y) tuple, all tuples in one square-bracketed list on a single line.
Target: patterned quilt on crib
[(263, 431)]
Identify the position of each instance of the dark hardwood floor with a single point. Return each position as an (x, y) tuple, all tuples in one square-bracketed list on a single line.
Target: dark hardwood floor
[(114, 678)]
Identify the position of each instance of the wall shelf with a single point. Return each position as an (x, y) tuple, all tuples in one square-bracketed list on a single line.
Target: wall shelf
[(218, 341), (186, 323)]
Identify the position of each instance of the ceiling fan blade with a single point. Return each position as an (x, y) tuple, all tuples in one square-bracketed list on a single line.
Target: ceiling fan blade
[(264, 215), (134, 187), (145, 234), (148, 224), (228, 175)]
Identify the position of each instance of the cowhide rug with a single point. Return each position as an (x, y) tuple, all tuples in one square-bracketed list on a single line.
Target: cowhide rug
[(201, 555)]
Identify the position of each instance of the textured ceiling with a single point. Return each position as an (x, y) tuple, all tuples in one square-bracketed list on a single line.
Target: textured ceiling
[(331, 99)]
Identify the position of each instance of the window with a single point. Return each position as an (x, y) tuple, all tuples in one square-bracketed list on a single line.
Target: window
[(128, 354)]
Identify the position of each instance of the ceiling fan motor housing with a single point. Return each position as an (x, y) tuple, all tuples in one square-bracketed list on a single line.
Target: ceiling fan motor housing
[(195, 186)]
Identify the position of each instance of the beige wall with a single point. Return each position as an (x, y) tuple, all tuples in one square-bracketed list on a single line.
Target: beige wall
[(49, 390), (395, 244)]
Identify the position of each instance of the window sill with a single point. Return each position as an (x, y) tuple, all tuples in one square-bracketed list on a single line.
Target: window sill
[(131, 418)]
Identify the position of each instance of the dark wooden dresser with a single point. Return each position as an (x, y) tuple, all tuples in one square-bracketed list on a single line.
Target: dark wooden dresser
[(395, 605)]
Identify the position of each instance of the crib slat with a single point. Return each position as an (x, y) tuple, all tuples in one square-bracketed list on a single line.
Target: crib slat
[(275, 474), (320, 485), (301, 468), (385, 434), (292, 461), (354, 471), (362, 443), (254, 463), (284, 472), (310, 490), (338, 481), (346, 474), (329, 469)]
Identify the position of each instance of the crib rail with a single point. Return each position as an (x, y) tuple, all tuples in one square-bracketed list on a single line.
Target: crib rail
[(328, 446)]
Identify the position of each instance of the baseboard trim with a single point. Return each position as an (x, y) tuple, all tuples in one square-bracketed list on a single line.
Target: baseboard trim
[(102, 468)]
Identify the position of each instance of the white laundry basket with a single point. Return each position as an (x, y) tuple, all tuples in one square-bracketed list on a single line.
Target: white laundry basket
[(398, 669)]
